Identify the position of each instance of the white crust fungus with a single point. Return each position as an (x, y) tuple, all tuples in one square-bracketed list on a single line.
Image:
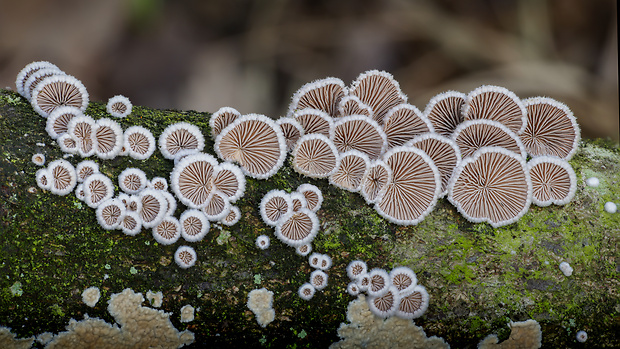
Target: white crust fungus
[(90, 296), (260, 302)]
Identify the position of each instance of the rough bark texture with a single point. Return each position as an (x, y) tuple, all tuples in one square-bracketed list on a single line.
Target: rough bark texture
[(479, 278)]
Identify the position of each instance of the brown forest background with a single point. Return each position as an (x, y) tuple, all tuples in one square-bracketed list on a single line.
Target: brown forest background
[(253, 55)]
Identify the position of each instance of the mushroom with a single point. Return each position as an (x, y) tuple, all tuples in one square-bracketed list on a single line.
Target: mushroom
[(57, 91), (444, 112), (375, 182), (217, 206), (379, 90), (43, 179), (306, 291), (357, 132), (386, 304), (356, 268), (132, 180), (351, 169), (170, 201), (274, 205), (403, 122), (491, 186), (28, 70), (232, 217), (297, 228), (415, 186), (323, 94), (82, 129), (553, 181), (194, 225), (38, 159), (62, 177), (379, 282), (229, 179), (292, 131), (474, 134), (315, 260), (404, 279), (221, 119), (256, 143), (110, 214), (498, 104), (313, 195), (131, 224), (303, 250), (191, 179), (185, 256), (167, 231), (153, 207), (315, 121), (353, 289), (119, 106), (58, 121), (158, 183), (139, 142), (97, 189), (443, 151), (352, 105), (298, 200), (262, 242), (413, 304), (35, 79), (315, 156), (318, 279), (178, 137), (86, 168), (551, 128), (67, 144)]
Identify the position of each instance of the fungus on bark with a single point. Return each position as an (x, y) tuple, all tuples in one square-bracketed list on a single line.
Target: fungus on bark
[(297, 228), (323, 94), (352, 105), (379, 282), (58, 121), (353, 289), (131, 224), (82, 129), (303, 250), (357, 132), (262, 242), (414, 303), (256, 143), (403, 122), (375, 182), (90, 296), (67, 144), (28, 70), (404, 279), (191, 179), (318, 279), (379, 90), (97, 189), (553, 181), (386, 304), (158, 183), (62, 176), (119, 106), (444, 111), (498, 104), (315, 156), (217, 206), (298, 200), (185, 257), (38, 159), (132, 180), (233, 216), (35, 79), (350, 171), (474, 134), (443, 151), (153, 207), (415, 186), (110, 213), (274, 205), (356, 268), (315, 260), (58, 91), (306, 291), (178, 137), (170, 201), (167, 231), (86, 168), (221, 119), (139, 142), (292, 131), (551, 128), (315, 121), (229, 179), (43, 179), (194, 225), (491, 186), (313, 195)]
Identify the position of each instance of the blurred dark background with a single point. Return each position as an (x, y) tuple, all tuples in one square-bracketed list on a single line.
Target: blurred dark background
[(254, 54)]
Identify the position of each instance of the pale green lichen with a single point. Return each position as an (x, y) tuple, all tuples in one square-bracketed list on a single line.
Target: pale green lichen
[(16, 289)]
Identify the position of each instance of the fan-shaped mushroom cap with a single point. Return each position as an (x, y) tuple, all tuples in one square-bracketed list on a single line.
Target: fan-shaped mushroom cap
[(413, 304), (323, 94), (318, 279), (553, 181), (262, 242), (58, 91), (43, 179), (315, 156), (134, 204), (67, 143), (325, 262), (315, 260), (551, 128), (415, 186), (303, 250), (131, 224), (172, 203), (306, 291), (154, 207), (351, 169), (315, 121), (139, 142), (58, 121), (194, 225), (132, 180), (229, 179), (191, 179), (444, 153), (167, 231), (97, 189), (178, 137), (474, 134), (313, 195), (79, 192), (356, 268), (62, 176), (119, 106), (232, 217), (353, 289), (292, 131), (274, 205), (299, 201), (357, 132), (375, 182), (158, 183), (38, 159), (185, 257), (363, 281), (221, 119), (297, 228), (110, 214), (35, 79), (217, 207), (498, 104), (255, 142), (86, 168), (379, 90), (444, 111), (82, 128), (403, 122), (491, 186), (379, 282), (28, 70), (404, 279), (352, 105), (386, 304)]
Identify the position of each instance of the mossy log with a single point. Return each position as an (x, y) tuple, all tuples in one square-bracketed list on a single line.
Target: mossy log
[(479, 278)]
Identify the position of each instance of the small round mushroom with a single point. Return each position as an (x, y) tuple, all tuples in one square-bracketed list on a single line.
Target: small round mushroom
[(403, 122), (379, 282), (28, 70), (57, 91), (43, 179), (386, 304), (498, 104), (297, 228), (318, 279), (68, 144), (404, 279), (350, 171), (323, 94), (292, 131), (313, 195), (315, 121), (474, 134), (357, 132), (110, 213), (132, 180), (353, 289), (232, 217), (185, 257), (131, 224), (299, 201), (375, 182), (229, 179), (62, 176), (86, 168), (315, 156), (38, 159), (153, 207), (444, 112), (191, 179), (139, 142), (274, 205), (158, 183), (97, 189), (82, 128), (262, 242), (194, 225), (303, 250), (221, 119), (35, 79), (217, 206), (582, 336), (352, 105), (315, 260), (379, 90), (119, 106), (414, 304), (178, 137), (356, 268), (58, 121), (167, 231), (306, 291), (553, 181)]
